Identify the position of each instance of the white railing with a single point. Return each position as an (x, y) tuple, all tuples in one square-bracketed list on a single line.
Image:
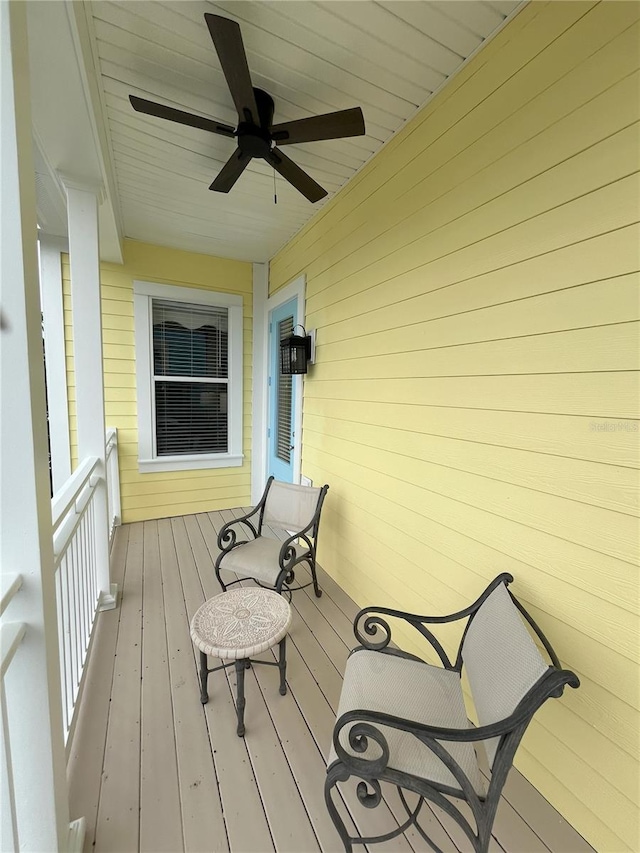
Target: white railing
[(11, 637), (75, 514), (75, 565), (113, 481)]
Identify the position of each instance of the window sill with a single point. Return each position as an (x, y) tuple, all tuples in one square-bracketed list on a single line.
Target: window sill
[(189, 463)]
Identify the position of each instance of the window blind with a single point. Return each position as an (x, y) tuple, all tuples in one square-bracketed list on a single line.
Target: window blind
[(190, 367), (283, 425)]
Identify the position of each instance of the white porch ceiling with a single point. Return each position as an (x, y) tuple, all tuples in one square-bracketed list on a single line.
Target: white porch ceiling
[(312, 57)]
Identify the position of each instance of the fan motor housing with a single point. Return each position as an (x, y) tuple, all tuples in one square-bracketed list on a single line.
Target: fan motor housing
[(252, 140), (255, 140)]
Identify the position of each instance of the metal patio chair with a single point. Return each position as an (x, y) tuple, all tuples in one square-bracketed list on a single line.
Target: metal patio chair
[(403, 721), (270, 562)]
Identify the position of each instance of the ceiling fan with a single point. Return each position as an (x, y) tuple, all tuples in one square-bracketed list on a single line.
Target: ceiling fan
[(256, 134)]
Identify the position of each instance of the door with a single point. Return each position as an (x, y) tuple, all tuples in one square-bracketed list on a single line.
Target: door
[(281, 437)]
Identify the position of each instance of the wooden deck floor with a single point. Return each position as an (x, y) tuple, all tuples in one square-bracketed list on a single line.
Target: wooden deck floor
[(152, 770)]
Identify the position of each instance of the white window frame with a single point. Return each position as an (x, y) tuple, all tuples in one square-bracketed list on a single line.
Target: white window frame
[(143, 294)]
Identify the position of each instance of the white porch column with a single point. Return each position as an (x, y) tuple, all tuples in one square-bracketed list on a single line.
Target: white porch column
[(32, 681), (84, 262), (56, 367)]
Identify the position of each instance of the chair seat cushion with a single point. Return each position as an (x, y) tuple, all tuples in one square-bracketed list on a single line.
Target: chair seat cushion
[(258, 559), (416, 691)]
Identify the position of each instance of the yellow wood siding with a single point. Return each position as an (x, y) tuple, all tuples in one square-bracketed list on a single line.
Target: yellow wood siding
[(474, 405), (162, 494)]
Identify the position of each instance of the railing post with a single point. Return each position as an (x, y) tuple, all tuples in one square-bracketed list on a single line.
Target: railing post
[(113, 480), (33, 721), (84, 262)]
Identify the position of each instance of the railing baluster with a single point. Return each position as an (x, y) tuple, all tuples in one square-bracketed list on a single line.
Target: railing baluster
[(77, 576), (61, 643), (75, 622), (81, 613), (88, 615), (66, 622), (94, 567)]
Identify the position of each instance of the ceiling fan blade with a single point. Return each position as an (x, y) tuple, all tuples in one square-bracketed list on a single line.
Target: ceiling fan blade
[(296, 176), (230, 172), (150, 108), (227, 40), (328, 126)]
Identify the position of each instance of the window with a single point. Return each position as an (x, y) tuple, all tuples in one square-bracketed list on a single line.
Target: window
[(189, 377)]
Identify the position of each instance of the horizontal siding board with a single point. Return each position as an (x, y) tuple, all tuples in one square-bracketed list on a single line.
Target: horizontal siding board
[(525, 173), (555, 218), (604, 257), (608, 486), (414, 354), (178, 487), (442, 322), (605, 395), (119, 341), (179, 508), (603, 440), (607, 209), (612, 533), (468, 534)]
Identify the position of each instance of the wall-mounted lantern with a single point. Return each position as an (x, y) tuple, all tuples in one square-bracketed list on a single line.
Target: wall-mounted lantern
[(296, 352)]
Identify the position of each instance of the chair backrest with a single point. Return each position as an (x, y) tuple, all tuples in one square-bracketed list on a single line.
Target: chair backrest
[(289, 506), (501, 660)]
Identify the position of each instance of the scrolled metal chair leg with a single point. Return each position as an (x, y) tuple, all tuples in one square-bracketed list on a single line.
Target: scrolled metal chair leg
[(316, 587), (335, 774)]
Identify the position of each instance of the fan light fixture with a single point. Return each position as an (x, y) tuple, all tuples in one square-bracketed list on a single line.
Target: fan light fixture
[(295, 353)]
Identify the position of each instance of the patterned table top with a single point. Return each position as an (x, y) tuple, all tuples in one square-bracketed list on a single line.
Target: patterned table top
[(240, 623)]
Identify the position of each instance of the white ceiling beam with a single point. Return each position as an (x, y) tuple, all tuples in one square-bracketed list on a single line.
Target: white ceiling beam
[(67, 123)]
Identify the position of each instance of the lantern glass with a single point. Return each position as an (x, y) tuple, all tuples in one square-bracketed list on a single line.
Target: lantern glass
[(293, 355)]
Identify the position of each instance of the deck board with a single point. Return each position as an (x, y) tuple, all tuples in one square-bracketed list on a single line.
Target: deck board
[(154, 770), (88, 744), (118, 818), (202, 820), (160, 813), (279, 793), (238, 787)]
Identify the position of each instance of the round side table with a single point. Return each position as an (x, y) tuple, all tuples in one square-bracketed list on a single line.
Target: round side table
[(235, 625)]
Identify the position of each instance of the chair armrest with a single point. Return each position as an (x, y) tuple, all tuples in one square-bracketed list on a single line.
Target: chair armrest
[(287, 556), (228, 536), (372, 622)]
